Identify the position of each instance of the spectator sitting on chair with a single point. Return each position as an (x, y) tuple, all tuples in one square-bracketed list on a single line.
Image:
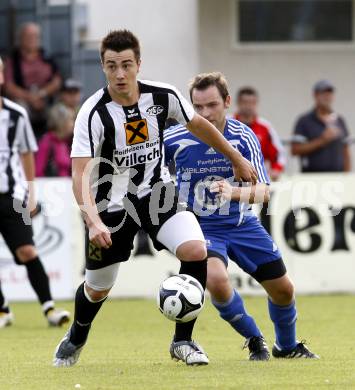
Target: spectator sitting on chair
[(53, 156), (321, 136), (31, 78), (271, 147)]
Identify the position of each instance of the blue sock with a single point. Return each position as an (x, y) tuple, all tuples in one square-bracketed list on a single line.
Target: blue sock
[(284, 319), (233, 311)]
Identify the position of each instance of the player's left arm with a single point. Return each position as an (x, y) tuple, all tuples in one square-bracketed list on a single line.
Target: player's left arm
[(207, 133), (255, 193), (184, 113)]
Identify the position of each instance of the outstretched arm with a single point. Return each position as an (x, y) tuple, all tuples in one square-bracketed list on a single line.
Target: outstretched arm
[(206, 132)]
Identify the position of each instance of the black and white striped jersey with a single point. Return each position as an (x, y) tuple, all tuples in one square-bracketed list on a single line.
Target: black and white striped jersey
[(16, 138), (126, 142)]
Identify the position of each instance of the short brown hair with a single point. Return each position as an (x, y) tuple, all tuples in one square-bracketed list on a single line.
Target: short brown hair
[(119, 40), (206, 80), (250, 91)]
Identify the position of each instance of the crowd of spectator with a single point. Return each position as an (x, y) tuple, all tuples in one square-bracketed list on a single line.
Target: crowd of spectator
[(33, 80), (320, 139)]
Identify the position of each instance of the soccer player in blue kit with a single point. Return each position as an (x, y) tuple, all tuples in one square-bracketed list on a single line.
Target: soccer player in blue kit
[(205, 182)]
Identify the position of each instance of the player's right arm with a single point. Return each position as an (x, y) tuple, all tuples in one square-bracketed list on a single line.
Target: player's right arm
[(88, 131), (257, 193), (99, 234), (184, 113), (27, 147)]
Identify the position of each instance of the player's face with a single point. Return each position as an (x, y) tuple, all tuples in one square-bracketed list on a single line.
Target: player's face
[(248, 105), (210, 105), (121, 69), (324, 100)]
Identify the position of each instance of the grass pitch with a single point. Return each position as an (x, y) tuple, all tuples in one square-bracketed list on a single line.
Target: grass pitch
[(128, 350)]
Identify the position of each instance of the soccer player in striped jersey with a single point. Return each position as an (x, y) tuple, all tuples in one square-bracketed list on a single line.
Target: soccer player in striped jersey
[(17, 145), (205, 181), (119, 134)]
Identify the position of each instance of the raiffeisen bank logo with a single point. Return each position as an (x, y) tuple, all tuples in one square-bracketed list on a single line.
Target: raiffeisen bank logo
[(137, 154)]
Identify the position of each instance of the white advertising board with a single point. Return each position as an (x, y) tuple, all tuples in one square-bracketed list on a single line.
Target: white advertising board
[(312, 220), (311, 217), (54, 236)]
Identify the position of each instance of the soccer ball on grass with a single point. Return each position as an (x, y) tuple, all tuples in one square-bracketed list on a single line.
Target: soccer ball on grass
[(181, 298)]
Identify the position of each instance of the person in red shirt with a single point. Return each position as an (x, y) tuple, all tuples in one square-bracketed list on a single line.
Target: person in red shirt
[(272, 149)]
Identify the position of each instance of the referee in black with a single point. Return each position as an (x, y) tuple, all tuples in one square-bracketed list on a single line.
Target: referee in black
[(17, 145)]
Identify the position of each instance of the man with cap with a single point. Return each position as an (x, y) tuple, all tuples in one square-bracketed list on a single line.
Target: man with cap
[(321, 137), (70, 95)]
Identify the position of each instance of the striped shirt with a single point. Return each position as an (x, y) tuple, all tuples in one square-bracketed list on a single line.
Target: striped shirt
[(198, 165), (126, 142), (16, 138)]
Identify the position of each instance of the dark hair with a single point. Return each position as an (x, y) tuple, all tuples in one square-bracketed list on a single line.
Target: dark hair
[(247, 91), (119, 40), (205, 80)]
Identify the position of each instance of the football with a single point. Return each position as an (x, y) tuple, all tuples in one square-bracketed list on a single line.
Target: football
[(181, 298)]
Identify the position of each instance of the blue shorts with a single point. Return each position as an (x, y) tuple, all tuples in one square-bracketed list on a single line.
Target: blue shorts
[(249, 245)]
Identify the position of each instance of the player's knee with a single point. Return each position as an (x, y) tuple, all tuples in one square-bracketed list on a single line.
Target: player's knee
[(284, 295), (192, 251), (26, 253), (199, 252), (216, 283), (95, 295), (219, 287)]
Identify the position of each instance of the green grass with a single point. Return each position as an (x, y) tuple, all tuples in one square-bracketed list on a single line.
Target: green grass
[(128, 349)]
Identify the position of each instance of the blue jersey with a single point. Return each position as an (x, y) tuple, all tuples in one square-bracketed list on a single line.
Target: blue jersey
[(198, 165)]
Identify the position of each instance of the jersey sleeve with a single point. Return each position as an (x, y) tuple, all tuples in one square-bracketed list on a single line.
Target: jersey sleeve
[(179, 108), (26, 139), (251, 150), (88, 131)]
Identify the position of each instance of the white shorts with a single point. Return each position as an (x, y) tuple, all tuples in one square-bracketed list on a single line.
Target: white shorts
[(180, 228)]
